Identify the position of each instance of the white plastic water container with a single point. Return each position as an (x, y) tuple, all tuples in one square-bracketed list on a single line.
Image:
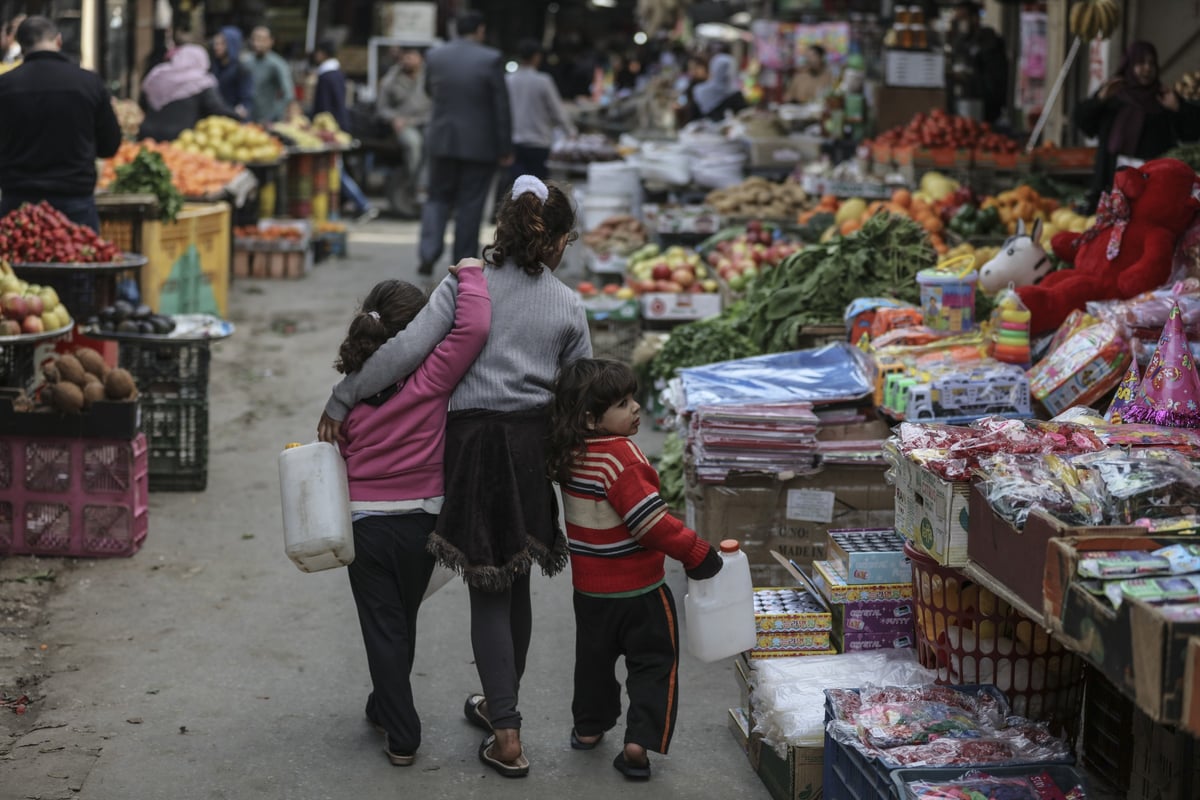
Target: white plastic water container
[(317, 529), (720, 611)]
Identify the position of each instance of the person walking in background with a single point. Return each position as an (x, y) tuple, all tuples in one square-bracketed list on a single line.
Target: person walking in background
[(178, 93), (686, 109), (619, 531), (500, 517), (1135, 117), (721, 94), (978, 66), (536, 111), (330, 98), (57, 120), (273, 87), (812, 79), (394, 444), (235, 84), (470, 133), (404, 106), (11, 52)]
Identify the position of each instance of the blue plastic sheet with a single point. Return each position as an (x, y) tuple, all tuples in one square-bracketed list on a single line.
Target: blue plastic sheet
[(837, 372)]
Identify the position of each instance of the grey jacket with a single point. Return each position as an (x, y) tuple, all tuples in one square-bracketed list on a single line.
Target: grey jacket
[(471, 118)]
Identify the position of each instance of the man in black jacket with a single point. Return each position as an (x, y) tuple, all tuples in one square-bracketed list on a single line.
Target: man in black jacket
[(58, 119)]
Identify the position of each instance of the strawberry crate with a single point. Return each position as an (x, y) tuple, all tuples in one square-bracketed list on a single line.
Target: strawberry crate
[(73, 497)]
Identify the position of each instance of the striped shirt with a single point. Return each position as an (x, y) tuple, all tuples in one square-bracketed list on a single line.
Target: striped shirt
[(538, 326), (618, 527)]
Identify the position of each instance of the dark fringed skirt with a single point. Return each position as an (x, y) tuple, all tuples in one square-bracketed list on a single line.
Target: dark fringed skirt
[(500, 514)]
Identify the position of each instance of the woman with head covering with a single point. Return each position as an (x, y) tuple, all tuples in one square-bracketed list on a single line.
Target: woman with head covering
[(235, 84), (1134, 116), (720, 94), (178, 93)]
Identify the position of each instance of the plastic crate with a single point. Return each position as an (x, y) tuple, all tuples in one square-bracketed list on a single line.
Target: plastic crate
[(614, 339), (1107, 722), (73, 497), (1066, 778), (177, 434), (18, 368), (168, 370), (104, 420), (968, 635), (188, 269)]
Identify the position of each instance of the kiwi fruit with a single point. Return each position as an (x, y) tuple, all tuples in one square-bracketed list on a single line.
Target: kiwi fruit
[(89, 379), (70, 370), (92, 361), (51, 372), (119, 385), (93, 392), (68, 398)]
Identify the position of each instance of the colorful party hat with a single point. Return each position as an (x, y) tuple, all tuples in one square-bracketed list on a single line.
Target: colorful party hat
[(1126, 391), (1169, 394)]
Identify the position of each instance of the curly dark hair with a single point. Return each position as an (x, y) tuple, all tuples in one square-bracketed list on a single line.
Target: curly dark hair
[(529, 231), (395, 303), (583, 390)]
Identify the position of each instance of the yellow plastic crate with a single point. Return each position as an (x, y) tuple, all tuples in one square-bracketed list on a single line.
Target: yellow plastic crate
[(188, 268)]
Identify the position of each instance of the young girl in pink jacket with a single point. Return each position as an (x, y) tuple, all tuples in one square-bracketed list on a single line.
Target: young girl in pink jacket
[(393, 444)]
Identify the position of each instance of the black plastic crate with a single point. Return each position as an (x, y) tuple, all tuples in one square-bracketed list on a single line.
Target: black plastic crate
[(1107, 722), (1065, 777), (168, 370), (177, 432), (850, 775), (17, 368), (104, 420)]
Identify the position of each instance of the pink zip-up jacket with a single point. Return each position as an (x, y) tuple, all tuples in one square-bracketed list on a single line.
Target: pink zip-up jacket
[(395, 451)]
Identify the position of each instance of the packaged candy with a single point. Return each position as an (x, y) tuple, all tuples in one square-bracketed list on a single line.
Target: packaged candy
[(1016, 484), (1111, 565), (979, 785), (1184, 558), (1157, 591)]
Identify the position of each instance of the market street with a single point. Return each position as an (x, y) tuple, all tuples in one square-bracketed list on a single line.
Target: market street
[(208, 666)]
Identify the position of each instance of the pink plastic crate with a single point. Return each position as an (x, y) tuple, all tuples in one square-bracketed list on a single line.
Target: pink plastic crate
[(73, 497)]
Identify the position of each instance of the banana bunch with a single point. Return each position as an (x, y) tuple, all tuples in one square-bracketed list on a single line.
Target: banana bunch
[(1092, 18)]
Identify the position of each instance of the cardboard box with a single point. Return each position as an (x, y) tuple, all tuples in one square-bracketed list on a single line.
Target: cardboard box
[(783, 151), (873, 617), (789, 514), (1138, 648), (869, 555), (798, 776), (739, 727), (792, 644), (685, 306), (1016, 559), (603, 308), (835, 590), (791, 622), (742, 670), (932, 513)]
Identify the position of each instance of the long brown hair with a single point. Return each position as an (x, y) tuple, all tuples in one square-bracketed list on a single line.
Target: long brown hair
[(588, 387), (386, 311), (528, 230)]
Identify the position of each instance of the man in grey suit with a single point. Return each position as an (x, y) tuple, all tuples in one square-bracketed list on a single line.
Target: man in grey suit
[(469, 136)]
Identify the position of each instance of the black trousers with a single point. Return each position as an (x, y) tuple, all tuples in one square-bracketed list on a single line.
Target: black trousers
[(458, 186), (501, 626), (645, 630), (388, 576)]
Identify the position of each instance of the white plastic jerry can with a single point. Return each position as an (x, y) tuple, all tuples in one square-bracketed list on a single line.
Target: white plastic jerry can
[(720, 611), (317, 529)]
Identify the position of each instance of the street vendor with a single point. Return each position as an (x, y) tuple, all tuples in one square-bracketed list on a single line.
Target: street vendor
[(813, 79), (58, 119)]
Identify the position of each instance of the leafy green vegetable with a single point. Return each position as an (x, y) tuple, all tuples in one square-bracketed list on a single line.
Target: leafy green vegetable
[(149, 174), (670, 471), (1187, 153), (698, 343), (814, 286)]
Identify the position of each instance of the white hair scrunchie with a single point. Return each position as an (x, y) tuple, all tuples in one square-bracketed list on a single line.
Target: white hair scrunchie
[(531, 184), (373, 315)]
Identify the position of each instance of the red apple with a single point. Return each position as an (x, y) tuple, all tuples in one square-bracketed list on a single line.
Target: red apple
[(661, 271), (14, 306), (612, 288), (669, 286), (34, 305), (696, 288), (587, 289), (32, 325), (646, 286), (10, 327), (684, 277)]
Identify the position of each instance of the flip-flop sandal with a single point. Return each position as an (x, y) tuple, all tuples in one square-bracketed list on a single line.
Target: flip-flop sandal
[(474, 715), (517, 769), (579, 744), (631, 771)]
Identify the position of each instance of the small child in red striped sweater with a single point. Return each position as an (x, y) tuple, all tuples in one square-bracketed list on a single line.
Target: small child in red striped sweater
[(619, 532)]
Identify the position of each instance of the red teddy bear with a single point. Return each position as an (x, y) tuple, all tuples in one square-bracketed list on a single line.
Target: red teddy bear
[(1128, 251)]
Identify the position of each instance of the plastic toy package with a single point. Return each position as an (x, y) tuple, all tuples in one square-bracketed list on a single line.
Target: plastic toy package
[(1016, 484), (1151, 309), (979, 785), (1148, 483), (936, 726)]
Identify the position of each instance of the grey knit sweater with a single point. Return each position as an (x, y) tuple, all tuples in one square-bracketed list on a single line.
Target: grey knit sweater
[(538, 325)]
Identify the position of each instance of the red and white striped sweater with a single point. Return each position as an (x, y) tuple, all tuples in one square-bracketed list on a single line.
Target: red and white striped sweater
[(618, 526)]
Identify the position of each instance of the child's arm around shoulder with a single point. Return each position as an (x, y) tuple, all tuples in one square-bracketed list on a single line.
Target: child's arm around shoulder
[(633, 492), (398, 356), (579, 338), (451, 359)]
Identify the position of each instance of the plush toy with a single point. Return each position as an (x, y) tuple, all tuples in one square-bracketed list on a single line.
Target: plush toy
[(1130, 248)]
